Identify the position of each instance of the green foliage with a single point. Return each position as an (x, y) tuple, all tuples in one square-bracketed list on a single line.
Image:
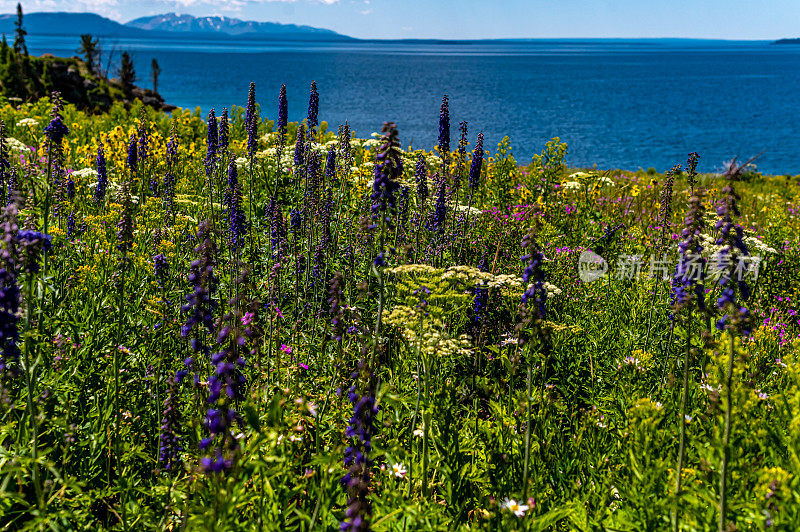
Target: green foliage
[(439, 327)]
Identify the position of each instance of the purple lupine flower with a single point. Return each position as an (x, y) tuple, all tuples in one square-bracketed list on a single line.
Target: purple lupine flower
[(421, 177), (533, 277), (691, 169), (295, 219), (480, 304), (440, 210), (31, 245), (250, 109), (10, 294), (477, 164), (462, 141), (56, 130), (5, 165), (226, 385), (251, 121), (237, 221), (345, 151), (102, 175), (70, 186), (313, 107), (212, 142), (665, 202), (330, 167), (276, 226), (160, 268), (356, 458), (224, 131), (388, 170), (444, 127), (731, 237), (133, 156), (12, 185), (200, 305), (313, 173), (283, 112), (402, 208), (462, 154), (687, 283), (170, 440), (71, 233), (125, 229), (299, 148)]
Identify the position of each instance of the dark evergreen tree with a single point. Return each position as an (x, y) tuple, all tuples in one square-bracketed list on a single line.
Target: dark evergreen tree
[(90, 51), (155, 72), (19, 34), (127, 75), (4, 51)]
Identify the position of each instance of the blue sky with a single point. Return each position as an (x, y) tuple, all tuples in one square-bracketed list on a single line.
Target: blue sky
[(464, 19)]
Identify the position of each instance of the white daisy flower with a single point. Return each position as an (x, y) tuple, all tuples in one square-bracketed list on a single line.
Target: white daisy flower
[(514, 507)]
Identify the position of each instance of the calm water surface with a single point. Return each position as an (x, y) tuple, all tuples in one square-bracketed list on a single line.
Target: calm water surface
[(621, 104)]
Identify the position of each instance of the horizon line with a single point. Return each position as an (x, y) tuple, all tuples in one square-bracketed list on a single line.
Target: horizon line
[(393, 39)]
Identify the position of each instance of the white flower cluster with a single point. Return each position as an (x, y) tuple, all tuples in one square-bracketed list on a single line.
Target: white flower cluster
[(605, 180), (87, 173), (571, 185), (552, 290), (471, 211), (27, 122), (15, 145)]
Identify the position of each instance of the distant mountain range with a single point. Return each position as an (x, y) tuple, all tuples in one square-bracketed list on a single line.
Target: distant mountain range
[(787, 41), (171, 22), (167, 25)]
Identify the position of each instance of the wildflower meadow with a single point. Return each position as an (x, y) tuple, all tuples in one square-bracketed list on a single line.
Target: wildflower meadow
[(234, 322)]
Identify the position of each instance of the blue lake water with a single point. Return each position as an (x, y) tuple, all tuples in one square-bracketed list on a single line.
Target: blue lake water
[(618, 104)]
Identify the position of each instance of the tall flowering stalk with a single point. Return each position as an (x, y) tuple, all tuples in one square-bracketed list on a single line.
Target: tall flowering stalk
[(440, 210), (170, 440), (735, 319), (312, 119), (251, 120), (54, 132), (226, 385), (533, 311), (477, 164), (102, 174), (299, 154), (421, 179), (224, 132), (444, 132), (691, 171), (212, 144), (665, 223), (21, 252), (10, 294), (283, 112), (124, 246), (388, 169), (5, 166), (688, 294), (237, 223), (132, 159), (168, 196), (200, 305), (360, 431), (474, 176)]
